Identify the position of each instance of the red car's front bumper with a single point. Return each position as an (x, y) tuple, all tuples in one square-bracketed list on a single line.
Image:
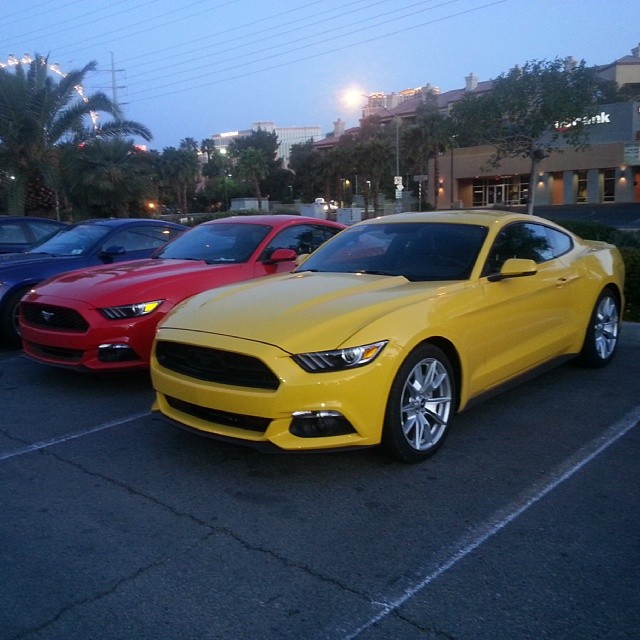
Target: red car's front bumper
[(78, 336)]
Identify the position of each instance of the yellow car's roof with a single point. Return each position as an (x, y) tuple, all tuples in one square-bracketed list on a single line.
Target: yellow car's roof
[(467, 216)]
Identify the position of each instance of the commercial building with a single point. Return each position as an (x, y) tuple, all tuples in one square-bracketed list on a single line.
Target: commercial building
[(607, 171)]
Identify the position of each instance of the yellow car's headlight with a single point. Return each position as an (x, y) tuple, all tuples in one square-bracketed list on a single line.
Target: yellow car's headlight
[(348, 358), (130, 310)]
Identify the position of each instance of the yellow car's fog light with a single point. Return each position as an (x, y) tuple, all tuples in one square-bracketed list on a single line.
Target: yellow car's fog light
[(348, 358), (319, 424)]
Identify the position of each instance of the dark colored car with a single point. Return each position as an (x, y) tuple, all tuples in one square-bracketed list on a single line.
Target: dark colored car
[(105, 318), (21, 233), (78, 246)]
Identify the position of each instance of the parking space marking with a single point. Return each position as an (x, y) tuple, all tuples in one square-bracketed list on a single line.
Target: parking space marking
[(510, 513), (37, 446)]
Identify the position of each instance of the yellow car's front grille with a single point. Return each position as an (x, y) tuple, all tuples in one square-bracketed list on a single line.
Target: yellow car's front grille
[(215, 365)]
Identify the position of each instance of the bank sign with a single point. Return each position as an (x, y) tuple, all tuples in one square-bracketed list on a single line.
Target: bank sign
[(601, 118), (607, 123)]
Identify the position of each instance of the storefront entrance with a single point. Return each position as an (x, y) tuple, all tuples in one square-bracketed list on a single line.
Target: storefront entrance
[(496, 193)]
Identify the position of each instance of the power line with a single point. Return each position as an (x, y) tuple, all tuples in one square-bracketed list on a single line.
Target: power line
[(321, 36), (311, 56)]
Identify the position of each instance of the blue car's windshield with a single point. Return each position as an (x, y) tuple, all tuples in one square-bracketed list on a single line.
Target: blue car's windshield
[(217, 243), (425, 251), (74, 241)]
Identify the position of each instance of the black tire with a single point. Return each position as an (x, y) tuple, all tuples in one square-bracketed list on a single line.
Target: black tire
[(601, 339), (9, 331), (421, 401)]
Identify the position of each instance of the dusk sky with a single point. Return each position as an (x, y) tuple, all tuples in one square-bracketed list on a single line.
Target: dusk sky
[(192, 68)]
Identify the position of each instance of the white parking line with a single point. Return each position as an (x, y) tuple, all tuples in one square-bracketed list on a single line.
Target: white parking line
[(510, 513), (37, 446)]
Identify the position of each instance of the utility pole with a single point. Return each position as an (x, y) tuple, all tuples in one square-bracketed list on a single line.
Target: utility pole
[(114, 84)]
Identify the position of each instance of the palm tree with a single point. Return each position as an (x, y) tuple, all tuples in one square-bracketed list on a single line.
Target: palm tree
[(38, 112), (179, 169), (426, 140), (208, 147), (253, 166), (108, 177)]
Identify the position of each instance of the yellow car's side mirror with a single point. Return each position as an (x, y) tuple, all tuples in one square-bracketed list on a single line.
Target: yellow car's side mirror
[(515, 268)]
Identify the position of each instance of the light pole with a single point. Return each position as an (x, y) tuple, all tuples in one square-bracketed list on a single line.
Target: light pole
[(397, 178), (453, 142)]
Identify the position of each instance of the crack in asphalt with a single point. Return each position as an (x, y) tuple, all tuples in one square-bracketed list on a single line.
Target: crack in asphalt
[(212, 530)]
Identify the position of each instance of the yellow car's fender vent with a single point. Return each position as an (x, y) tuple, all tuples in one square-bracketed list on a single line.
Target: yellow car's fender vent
[(225, 418), (215, 365)]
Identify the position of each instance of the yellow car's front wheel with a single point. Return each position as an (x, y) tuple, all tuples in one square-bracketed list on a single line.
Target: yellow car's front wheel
[(420, 404)]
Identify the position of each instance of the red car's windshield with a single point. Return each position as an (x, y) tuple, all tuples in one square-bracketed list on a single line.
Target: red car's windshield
[(217, 243)]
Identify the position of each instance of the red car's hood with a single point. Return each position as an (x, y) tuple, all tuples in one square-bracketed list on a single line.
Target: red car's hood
[(142, 280)]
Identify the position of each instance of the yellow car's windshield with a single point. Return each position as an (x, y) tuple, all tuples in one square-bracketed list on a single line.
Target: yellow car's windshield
[(419, 251)]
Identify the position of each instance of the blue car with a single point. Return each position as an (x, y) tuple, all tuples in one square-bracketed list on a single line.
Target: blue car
[(21, 233), (76, 246)]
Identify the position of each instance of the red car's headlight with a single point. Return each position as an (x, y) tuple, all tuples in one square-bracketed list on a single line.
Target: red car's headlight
[(130, 310)]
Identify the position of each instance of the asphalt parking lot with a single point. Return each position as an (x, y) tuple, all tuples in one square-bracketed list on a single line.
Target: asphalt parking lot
[(115, 526)]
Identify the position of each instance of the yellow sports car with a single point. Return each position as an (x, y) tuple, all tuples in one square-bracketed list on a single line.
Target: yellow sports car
[(386, 331)]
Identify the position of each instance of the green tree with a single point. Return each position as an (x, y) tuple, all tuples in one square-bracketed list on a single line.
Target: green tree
[(253, 166), (38, 112), (108, 177), (374, 154), (309, 168), (178, 170), (266, 141), (218, 164), (189, 144), (529, 112), (208, 147), (426, 140)]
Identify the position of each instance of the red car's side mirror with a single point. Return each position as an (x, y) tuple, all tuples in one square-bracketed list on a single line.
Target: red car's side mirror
[(282, 255)]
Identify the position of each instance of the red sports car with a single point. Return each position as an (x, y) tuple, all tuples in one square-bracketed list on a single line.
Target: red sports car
[(104, 318)]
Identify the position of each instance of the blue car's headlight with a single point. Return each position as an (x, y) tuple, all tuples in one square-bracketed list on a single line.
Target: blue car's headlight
[(130, 310), (348, 358)]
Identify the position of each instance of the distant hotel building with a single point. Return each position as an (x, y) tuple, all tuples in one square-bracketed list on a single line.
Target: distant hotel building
[(287, 137)]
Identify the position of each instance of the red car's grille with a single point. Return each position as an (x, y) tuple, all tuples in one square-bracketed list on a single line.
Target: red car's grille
[(69, 356), (214, 365), (237, 420), (53, 317)]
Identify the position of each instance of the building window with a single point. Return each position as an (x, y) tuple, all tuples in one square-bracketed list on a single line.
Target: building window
[(478, 193), (609, 185), (581, 195)]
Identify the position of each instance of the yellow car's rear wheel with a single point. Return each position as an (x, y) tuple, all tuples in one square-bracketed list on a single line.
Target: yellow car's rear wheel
[(602, 333), (420, 404)]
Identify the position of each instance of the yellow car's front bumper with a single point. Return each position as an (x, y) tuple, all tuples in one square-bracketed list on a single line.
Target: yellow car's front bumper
[(359, 396)]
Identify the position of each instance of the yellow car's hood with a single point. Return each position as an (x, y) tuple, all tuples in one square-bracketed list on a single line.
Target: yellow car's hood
[(306, 311)]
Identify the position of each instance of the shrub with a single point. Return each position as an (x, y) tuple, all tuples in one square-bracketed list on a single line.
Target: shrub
[(631, 256)]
